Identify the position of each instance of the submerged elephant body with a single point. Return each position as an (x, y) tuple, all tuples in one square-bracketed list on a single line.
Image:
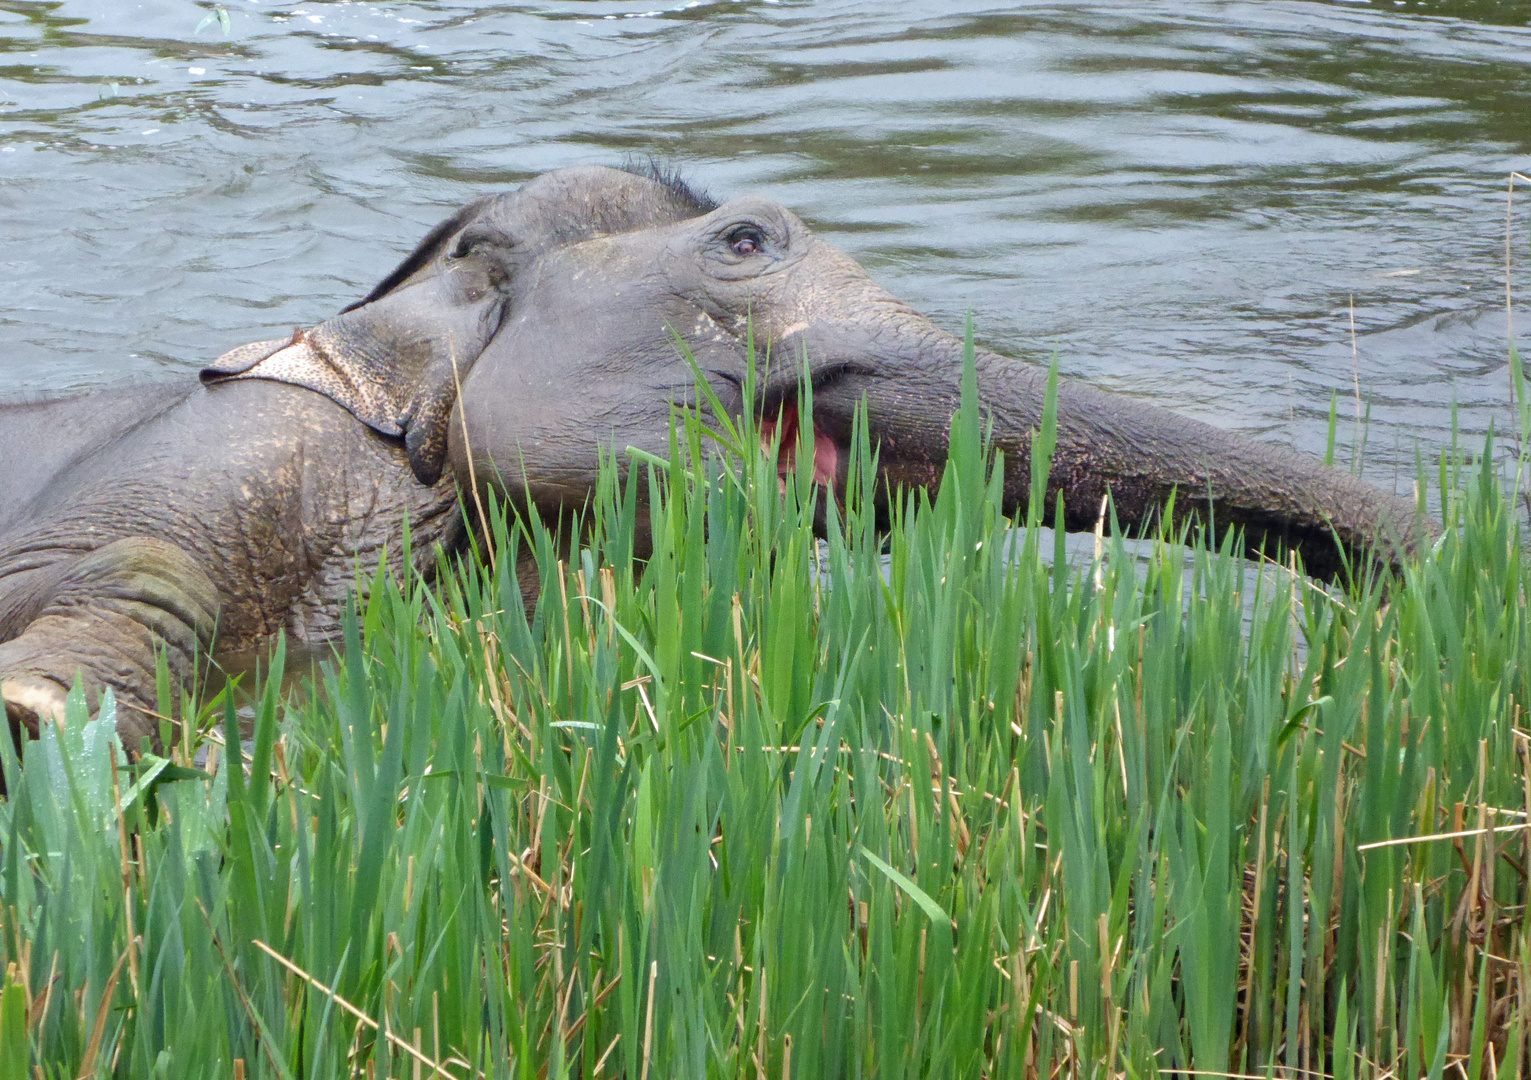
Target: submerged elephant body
[(530, 330), (153, 535)]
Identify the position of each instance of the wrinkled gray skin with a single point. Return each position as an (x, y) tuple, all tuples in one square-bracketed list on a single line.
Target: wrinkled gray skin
[(139, 520)]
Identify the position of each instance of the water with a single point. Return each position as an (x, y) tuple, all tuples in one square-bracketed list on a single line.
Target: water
[(1180, 199)]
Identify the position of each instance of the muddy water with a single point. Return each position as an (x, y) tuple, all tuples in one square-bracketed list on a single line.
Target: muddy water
[(1186, 201)]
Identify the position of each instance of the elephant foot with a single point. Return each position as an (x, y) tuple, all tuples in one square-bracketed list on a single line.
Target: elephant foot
[(29, 701)]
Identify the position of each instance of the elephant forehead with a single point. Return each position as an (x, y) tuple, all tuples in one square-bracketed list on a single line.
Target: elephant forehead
[(572, 205), (609, 259), (583, 297)]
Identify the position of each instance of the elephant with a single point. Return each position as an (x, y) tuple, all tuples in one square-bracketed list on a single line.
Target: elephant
[(525, 335)]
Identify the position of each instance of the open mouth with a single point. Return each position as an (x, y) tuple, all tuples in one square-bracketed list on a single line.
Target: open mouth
[(826, 454)]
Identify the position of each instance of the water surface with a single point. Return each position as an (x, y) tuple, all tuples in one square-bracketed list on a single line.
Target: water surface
[(1185, 201)]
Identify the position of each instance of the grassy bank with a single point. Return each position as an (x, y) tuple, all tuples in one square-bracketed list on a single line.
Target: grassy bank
[(927, 804)]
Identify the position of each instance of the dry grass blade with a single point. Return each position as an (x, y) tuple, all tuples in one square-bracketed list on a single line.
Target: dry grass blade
[(467, 449), (648, 1024), (437, 1068), (1457, 835), (88, 1065)]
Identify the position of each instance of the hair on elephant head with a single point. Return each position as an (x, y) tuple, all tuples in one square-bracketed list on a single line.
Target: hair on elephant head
[(534, 327)]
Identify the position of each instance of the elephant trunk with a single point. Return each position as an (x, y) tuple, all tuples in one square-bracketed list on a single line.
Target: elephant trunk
[(1140, 454)]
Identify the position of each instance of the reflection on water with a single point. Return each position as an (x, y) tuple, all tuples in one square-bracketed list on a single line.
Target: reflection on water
[(1181, 199), (248, 672)]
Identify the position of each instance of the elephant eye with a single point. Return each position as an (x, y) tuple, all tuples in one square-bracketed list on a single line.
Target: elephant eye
[(746, 240)]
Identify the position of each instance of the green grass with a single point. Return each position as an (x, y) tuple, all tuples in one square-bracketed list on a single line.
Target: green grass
[(921, 804)]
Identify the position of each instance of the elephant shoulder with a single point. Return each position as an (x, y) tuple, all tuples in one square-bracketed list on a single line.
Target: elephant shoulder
[(263, 412), (185, 453)]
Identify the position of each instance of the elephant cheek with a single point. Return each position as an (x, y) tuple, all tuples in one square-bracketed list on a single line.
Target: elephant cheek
[(478, 452), (530, 454)]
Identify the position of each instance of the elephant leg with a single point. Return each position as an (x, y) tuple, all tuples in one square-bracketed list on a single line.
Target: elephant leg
[(108, 616)]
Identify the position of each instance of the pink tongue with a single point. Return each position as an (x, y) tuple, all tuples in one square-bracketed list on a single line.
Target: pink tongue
[(826, 455), (826, 459)]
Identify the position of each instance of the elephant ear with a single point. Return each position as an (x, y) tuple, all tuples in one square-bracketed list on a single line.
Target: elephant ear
[(399, 389), (395, 358), (303, 360)]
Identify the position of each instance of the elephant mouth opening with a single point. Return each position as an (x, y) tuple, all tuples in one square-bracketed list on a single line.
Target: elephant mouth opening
[(786, 422)]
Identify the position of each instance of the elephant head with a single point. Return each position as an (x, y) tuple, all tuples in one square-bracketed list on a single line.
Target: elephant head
[(532, 328)]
